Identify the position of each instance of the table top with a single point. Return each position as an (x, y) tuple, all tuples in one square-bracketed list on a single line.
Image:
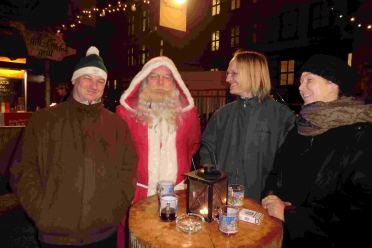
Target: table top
[(147, 230)]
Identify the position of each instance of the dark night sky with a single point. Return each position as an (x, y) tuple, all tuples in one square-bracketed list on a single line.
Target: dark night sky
[(35, 13)]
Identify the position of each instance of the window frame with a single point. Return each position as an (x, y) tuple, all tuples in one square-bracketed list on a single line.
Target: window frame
[(215, 41), (235, 36), (287, 73), (216, 7)]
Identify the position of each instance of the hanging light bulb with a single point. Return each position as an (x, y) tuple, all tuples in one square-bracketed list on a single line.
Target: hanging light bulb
[(133, 7)]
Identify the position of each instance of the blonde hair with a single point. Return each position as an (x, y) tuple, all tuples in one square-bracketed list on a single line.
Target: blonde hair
[(253, 72)]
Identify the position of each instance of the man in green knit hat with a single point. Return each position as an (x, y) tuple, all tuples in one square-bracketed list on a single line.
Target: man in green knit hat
[(75, 178)]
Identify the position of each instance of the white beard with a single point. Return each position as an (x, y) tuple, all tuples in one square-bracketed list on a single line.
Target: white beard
[(155, 106)]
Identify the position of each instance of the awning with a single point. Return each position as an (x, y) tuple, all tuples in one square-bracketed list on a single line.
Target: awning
[(12, 44)]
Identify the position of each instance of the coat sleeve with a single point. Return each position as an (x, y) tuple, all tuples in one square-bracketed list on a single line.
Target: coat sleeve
[(26, 175), (208, 142), (121, 112), (287, 121), (195, 132), (129, 163)]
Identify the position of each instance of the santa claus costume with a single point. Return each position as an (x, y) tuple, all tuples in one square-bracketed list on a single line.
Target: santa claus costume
[(164, 152)]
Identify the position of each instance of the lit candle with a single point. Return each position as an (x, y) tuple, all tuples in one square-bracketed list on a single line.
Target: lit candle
[(204, 211)]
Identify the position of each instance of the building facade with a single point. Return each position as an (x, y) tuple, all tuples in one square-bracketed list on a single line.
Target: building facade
[(287, 31)]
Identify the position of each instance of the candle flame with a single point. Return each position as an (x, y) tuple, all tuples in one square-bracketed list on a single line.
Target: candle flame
[(204, 211)]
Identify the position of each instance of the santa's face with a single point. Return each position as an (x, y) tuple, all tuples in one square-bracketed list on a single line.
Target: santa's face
[(161, 78)]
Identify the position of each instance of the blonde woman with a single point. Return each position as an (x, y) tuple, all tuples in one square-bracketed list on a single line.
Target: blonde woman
[(244, 135)]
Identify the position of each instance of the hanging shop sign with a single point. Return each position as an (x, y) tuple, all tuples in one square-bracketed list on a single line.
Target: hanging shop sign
[(173, 14), (44, 45)]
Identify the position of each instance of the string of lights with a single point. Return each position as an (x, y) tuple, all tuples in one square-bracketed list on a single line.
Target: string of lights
[(131, 5), (100, 12), (351, 19), (354, 21)]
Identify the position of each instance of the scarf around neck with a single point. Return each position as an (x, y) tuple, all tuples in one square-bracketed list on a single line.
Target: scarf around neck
[(318, 117)]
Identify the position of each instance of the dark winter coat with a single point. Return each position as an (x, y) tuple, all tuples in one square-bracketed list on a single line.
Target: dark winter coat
[(76, 176), (244, 136), (328, 180)]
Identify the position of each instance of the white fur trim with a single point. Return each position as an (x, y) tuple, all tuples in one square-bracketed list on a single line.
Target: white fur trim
[(91, 70), (162, 156), (147, 68)]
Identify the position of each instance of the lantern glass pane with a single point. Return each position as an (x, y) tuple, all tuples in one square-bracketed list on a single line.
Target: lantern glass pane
[(198, 196), (219, 193)]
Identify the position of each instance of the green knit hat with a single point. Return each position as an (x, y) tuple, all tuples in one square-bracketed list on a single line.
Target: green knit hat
[(91, 64)]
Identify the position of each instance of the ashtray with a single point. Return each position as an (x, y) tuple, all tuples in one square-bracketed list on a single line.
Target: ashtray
[(189, 223)]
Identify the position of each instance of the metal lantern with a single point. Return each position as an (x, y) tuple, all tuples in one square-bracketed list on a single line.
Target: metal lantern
[(206, 191)]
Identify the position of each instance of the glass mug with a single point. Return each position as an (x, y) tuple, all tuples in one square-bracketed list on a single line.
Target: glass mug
[(228, 220), (165, 187), (235, 195), (168, 207)]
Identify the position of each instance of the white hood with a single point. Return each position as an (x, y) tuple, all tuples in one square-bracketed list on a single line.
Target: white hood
[(129, 98)]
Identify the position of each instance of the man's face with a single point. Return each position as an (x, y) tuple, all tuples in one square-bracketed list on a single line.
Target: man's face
[(88, 88), (160, 78), (61, 91)]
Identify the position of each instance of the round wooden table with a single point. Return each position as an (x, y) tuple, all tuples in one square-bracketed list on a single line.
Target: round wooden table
[(147, 230)]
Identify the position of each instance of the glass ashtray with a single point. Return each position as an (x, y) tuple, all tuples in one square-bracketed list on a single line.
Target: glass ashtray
[(189, 223)]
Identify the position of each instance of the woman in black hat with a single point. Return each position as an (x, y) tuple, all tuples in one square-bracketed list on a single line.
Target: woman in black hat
[(321, 185)]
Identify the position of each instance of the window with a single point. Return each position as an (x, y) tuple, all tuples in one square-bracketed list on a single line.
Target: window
[(131, 61), (319, 14), (254, 33), (131, 26), (216, 7), (287, 72), (235, 4), (235, 33), (215, 41), (145, 20), (144, 54), (350, 59), (161, 50), (289, 25), (254, 38)]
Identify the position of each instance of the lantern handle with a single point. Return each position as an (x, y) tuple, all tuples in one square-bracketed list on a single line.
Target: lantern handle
[(212, 155), (193, 163)]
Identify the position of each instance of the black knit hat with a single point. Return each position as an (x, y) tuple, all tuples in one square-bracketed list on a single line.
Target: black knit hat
[(332, 69)]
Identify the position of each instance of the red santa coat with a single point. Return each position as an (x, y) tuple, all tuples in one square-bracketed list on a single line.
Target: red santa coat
[(188, 132)]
